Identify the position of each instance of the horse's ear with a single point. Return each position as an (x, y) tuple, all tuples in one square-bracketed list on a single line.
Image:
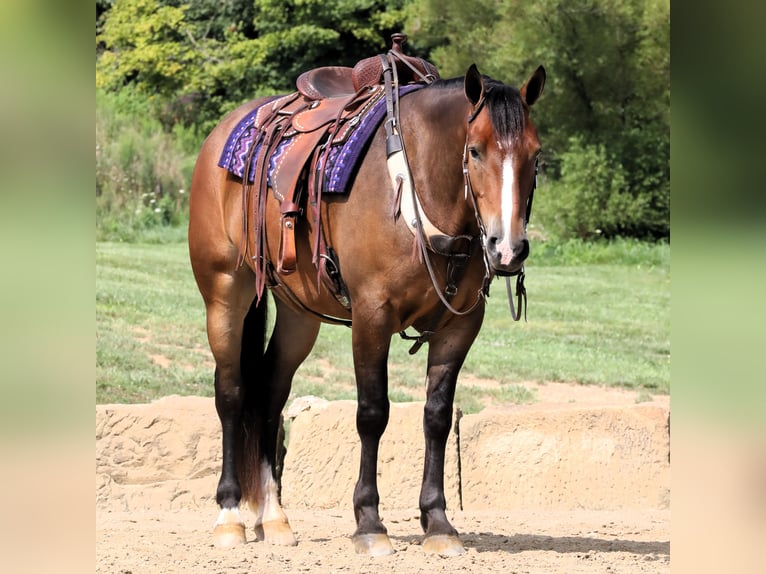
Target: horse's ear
[(474, 85), (534, 86)]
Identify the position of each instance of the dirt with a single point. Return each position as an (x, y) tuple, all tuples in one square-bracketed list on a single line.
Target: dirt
[(147, 521), (497, 542)]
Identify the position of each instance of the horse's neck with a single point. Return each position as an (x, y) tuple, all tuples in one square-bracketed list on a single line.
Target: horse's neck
[(435, 131)]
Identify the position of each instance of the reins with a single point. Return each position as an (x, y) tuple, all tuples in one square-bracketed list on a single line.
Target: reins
[(521, 291), (402, 179)]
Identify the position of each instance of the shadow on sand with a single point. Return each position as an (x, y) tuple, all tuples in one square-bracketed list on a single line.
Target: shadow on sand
[(489, 542)]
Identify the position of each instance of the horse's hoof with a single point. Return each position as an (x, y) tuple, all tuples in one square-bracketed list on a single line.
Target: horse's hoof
[(443, 545), (229, 535), (277, 533), (373, 544)]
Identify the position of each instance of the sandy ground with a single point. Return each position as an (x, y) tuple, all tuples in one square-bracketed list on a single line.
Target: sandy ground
[(502, 542), (507, 542)]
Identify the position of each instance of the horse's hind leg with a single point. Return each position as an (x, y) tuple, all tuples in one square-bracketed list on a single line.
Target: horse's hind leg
[(251, 388), (232, 323), (291, 341)]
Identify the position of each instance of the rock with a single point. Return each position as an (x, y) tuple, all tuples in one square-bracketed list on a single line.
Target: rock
[(304, 403), (166, 454), (566, 457), (322, 462)]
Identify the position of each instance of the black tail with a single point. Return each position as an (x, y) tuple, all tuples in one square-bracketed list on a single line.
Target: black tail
[(249, 455)]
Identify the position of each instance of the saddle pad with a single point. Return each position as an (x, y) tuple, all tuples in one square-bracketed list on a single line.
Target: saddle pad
[(342, 160)]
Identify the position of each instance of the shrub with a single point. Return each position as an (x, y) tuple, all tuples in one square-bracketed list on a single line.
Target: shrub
[(142, 172), (593, 197)]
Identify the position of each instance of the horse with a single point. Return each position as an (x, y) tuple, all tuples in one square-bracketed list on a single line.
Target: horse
[(472, 150)]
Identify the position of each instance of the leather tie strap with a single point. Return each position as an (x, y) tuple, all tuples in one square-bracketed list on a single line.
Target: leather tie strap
[(521, 295), (287, 260)]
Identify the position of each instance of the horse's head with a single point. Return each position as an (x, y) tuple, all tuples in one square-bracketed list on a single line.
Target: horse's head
[(500, 162)]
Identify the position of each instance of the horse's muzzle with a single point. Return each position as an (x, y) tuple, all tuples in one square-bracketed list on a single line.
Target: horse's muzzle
[(519, 254)]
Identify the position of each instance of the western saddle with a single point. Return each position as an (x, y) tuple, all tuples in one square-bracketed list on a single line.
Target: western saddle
[(327, 106), (343, 81)]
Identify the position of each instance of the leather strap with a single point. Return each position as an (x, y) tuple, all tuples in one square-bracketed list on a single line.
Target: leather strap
[(521, 294), (287, 259), (275, 284), (458, 250), (408, 205)]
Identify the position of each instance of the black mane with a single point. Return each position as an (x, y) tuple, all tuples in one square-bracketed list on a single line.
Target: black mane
[(504, 104)]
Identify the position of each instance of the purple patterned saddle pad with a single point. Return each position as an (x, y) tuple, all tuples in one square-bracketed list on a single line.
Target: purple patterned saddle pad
[(342, 161)]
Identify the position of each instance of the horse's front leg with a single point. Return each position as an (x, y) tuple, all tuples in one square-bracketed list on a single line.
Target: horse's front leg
[(446, 353), (370, 345)]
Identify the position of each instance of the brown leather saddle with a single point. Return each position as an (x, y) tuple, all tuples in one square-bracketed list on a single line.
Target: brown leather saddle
[(328, 104), (343, 81)]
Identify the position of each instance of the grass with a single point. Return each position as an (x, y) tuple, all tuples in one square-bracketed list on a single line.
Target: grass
[(593, 324), (597, 314), (150, 324)]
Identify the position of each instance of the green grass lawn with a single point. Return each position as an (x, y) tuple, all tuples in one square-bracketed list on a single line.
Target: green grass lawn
[(597, 314)]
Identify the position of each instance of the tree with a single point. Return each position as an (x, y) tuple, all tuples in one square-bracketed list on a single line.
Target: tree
[(604, 118), (201, 58)]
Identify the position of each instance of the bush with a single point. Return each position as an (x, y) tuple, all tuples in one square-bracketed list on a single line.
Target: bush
[(594, 197), (142, 172)]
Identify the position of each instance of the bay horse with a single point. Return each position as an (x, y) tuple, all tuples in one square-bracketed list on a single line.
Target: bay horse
[(472, 151)]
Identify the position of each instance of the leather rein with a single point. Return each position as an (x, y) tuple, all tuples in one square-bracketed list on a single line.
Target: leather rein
[(419, 223), (521, 291)]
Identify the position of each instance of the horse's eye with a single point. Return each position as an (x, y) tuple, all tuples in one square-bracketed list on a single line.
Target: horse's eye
[(474, 152)]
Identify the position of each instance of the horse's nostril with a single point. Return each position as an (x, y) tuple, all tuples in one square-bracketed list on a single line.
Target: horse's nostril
[(522, 251), (492, 242)]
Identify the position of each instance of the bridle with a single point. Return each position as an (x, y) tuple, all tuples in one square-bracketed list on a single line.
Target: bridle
[(402, 182), (521, 292)]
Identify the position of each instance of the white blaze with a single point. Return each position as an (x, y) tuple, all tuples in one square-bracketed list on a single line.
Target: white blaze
[(508, 210)]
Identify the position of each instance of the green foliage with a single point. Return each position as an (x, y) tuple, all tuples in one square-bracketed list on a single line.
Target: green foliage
[(145, 43), (142, 173), (456, 33), (203, 58), (604, 116), (603, 119), (592, 197)]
